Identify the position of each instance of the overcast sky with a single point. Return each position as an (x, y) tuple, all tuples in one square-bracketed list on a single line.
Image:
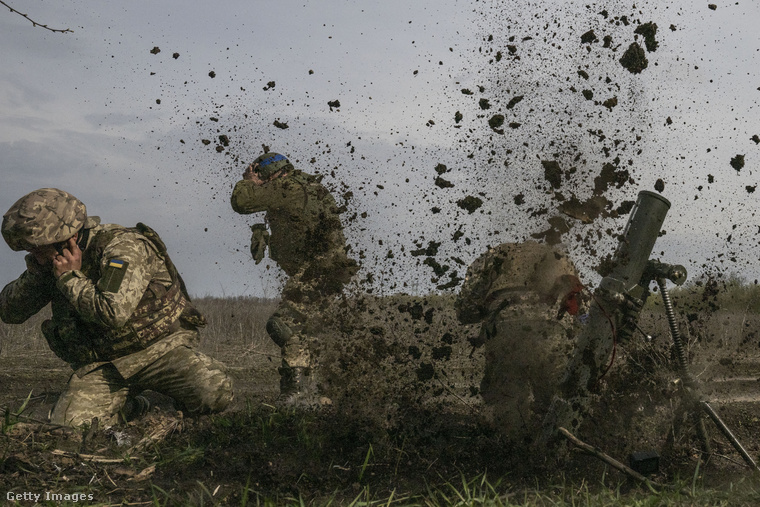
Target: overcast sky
[(98, 114)]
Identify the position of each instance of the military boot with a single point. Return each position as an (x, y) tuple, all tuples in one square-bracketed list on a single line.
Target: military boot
[(135, 407), (298, 388)]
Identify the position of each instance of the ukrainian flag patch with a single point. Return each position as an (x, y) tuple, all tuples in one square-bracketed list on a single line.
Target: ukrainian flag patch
[(113, 275)]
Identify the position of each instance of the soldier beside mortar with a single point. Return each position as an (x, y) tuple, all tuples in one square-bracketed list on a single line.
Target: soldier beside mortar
[(527, 296)]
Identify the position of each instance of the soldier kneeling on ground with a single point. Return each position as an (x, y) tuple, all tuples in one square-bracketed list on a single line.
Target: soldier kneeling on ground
[(527, 296), (121, 316)]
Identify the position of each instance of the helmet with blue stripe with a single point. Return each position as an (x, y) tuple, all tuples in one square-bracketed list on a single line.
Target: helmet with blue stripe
[(269, 164)]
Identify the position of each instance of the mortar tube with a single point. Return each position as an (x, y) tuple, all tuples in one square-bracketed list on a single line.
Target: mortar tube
[(639, 237), (596, 342)]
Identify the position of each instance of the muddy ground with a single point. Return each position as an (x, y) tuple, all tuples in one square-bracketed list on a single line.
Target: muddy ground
[(406, 414)]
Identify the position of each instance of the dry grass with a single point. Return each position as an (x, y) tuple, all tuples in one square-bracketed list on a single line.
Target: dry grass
[(25, 339), (431, 438), (236, 328)]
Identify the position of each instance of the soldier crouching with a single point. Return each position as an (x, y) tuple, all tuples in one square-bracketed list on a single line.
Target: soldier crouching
[(526, 296), (121, 316)]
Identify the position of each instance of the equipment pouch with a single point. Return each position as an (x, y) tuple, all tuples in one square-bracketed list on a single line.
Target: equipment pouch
[(68, 342)]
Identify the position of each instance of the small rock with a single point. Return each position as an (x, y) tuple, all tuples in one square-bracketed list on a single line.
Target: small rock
[(737, 162)]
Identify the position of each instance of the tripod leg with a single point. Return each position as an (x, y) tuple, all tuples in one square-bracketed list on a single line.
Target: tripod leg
[(690, 383), (730, 436), (686, 409), (684, 368), (704, 437), (675, 430)]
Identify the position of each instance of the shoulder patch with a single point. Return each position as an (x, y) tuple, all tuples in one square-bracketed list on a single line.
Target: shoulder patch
[(113, 275)]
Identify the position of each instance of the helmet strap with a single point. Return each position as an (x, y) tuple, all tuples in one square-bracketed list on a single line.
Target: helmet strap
[(84, 236)]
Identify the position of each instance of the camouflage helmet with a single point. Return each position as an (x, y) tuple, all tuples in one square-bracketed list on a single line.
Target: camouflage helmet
[(268, 164), (43, 217)]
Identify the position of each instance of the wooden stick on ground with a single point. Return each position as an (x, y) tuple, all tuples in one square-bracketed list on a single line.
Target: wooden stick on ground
[(87, 457), (594, 451)]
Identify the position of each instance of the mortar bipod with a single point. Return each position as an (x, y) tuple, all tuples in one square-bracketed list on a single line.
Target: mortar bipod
[(677, 274)]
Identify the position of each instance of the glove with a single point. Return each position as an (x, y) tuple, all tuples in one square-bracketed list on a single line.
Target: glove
[(259, 241)]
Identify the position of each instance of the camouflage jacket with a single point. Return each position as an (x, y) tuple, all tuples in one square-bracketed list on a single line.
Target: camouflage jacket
[(126, 297), (304, 220)]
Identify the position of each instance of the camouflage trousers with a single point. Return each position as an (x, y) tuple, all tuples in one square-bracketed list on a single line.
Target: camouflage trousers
[(297, 318), (197, 383), (289, 327)]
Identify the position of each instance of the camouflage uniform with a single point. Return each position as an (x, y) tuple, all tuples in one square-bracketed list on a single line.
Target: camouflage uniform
[(307, 242), (520, 292), (123, 321)]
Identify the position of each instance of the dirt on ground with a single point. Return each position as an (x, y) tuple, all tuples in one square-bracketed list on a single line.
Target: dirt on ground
[(406, 415)]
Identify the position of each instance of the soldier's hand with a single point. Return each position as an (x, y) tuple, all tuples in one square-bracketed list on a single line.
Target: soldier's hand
[(630, 310), (69, 259), (250, 174)]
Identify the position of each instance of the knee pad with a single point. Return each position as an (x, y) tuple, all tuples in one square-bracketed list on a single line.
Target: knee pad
[(278, 331)]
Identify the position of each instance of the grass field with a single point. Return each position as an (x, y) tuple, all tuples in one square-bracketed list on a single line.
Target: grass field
[(407, 425)]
